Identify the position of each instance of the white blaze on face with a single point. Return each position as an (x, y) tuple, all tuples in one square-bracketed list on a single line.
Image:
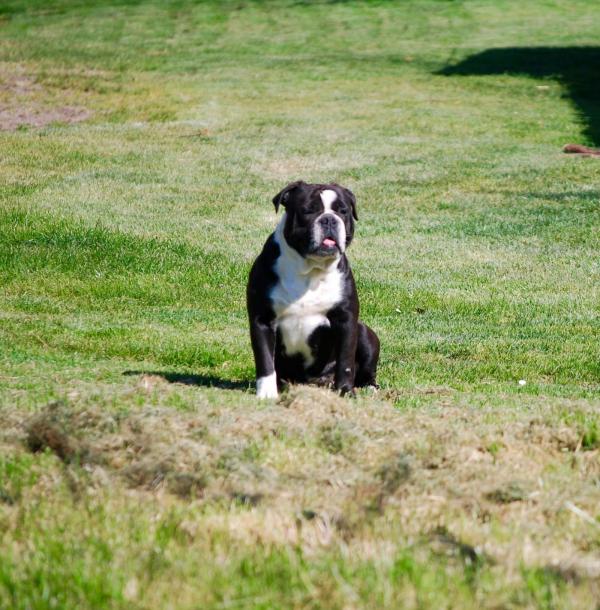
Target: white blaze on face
[(328, 197)]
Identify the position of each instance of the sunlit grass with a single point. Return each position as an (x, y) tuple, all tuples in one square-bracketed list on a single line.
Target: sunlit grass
[(125, 242)]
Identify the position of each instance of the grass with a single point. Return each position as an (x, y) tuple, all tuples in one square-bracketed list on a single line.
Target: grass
[(141, 144)]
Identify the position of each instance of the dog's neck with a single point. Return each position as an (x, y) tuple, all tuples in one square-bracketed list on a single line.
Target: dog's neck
[(294, 263)]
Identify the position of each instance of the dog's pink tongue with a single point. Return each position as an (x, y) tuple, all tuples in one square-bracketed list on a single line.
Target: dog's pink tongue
[(328, 242)]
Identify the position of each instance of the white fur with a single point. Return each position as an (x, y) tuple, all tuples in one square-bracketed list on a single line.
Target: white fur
[(328, 197), (307, 289), (266, 387)]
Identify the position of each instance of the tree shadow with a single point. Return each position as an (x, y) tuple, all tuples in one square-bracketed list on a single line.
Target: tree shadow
[(576, 68), (207, 381)]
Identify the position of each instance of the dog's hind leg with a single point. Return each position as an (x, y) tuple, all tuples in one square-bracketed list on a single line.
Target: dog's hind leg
[(367, 357)]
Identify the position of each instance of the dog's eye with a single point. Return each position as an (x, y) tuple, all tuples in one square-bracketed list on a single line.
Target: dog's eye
[(308, 209), (343, 210)]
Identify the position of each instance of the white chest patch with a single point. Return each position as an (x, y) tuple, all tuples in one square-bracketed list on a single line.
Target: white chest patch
[(302, 297)]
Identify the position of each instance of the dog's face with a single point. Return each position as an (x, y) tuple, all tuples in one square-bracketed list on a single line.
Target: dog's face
[(319, 218)]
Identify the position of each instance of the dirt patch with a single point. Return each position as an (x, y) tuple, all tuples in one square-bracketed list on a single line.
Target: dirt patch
[(35, 115), (17, 83), (25, 103)]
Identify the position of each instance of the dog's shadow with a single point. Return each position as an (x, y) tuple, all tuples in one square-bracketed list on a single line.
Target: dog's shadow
[(206, 381)]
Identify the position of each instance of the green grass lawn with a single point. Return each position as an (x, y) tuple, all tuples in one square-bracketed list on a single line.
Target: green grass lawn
[(141, 143)]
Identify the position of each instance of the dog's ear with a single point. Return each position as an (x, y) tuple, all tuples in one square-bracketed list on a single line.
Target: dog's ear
[(282, 197), (352, 198)]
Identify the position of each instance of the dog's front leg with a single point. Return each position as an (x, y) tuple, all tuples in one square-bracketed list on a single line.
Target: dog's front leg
[(262, 335), (345, 334)]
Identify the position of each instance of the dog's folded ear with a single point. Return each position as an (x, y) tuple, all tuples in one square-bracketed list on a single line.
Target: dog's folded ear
[(353, 203), (352, 199), (282, 197)]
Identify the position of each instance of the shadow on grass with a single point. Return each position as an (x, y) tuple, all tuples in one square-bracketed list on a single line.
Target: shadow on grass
[(576, 68), (207, 381)]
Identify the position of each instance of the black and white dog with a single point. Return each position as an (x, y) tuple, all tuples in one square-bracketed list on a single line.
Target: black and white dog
[(302, 299)]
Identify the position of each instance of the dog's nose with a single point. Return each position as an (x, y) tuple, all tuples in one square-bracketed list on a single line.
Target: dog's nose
[(327, 221)]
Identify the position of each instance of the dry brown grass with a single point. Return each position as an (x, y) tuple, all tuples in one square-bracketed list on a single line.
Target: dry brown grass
[(509, 488)]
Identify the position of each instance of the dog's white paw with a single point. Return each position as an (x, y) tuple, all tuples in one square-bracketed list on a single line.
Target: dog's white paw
[(266, 387)]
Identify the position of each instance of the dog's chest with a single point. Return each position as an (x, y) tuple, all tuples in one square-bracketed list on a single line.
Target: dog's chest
[(301, 303)]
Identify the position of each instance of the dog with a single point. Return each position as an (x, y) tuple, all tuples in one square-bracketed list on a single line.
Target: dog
[(301, 297)]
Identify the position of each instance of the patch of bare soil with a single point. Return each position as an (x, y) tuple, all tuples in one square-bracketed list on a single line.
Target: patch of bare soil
[(316, 469), (13, 116), (17, 83), (23, 102)]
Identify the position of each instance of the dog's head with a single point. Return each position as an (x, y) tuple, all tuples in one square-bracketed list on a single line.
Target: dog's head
[(319, 218)]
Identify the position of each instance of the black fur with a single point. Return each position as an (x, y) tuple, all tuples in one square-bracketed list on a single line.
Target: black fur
[(347, 351)]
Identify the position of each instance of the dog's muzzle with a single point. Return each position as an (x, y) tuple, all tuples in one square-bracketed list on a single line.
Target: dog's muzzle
[(329, 235)]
